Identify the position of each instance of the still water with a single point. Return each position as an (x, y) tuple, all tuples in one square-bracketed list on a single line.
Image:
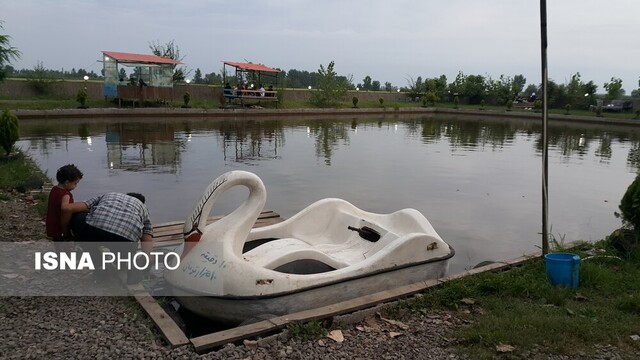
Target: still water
[(477, 180)]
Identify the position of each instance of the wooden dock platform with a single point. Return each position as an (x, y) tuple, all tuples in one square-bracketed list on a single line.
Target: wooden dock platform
[(170, 233)]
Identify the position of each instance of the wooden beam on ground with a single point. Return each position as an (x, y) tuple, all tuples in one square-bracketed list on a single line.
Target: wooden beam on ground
[(207, 342), (167, 234), (168, 327)]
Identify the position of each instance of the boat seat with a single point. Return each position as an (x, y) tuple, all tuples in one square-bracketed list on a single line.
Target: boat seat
[(282, 251)]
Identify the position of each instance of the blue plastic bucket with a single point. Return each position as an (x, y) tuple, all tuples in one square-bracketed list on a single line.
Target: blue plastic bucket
[(563, 269)]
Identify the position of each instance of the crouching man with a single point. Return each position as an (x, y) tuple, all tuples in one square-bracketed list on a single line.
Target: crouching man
[(121, 220)]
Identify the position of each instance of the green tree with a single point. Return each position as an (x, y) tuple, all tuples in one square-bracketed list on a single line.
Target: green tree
[(519, 81), (40, 79), (331, 88), (580, 94), (388, 86), (170, 50), (474, 88), (530, 90), (7, 53), (9, 131), (415, 87), (375, 85), (556, 95), (213, 79), (366, 83), (456, 88), (197, 77), (122, 74), (431, 97), (437, 85), (614, 89), (501, 90)]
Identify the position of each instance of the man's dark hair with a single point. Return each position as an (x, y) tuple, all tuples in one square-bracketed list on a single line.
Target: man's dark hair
[(137, 196), (68, 173)]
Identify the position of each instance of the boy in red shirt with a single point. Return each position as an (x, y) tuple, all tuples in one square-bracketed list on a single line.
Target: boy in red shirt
[(58, 210)]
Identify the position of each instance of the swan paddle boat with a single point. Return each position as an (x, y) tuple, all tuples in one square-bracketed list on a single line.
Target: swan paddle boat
[(329, 252)]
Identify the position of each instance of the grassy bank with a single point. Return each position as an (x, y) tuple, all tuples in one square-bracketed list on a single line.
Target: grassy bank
[(520, 308), (18, 173), (518, 314), (50, 102)]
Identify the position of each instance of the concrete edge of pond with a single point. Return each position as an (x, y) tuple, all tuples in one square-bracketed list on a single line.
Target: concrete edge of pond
[(261, 112)]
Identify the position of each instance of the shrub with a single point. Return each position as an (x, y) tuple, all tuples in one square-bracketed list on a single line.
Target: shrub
[(599, 111), (482, 104), (40, 80), (630, 206), (509, 105), (637, 114), (9, 131), (567, 109), (381, 100), (187, 98), (431, 97), (456, 102), (81, 97), (537, 105), (354, 100)]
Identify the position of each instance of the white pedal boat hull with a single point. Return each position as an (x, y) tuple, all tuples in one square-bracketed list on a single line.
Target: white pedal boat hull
[(232, 274)]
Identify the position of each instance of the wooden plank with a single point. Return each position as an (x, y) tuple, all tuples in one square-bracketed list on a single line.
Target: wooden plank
[(168, 327), (166, 234), (206, 342), (170, 233), (209, 341)]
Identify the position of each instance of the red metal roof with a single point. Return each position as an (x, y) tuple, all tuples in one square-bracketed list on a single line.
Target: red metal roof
[(140, 58), (252, 67)]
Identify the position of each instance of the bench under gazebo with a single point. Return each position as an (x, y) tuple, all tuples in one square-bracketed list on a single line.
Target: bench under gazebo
[(245, 85)]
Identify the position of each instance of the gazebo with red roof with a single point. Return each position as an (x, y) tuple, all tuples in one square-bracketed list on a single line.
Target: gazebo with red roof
[(250, 73), (152, 78)]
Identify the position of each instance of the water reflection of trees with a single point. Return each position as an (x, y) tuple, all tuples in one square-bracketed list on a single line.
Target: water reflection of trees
[(251, 140), (568, 141), (328, 134), (42, 137), (576, 141), (463, 134), (154, 145)]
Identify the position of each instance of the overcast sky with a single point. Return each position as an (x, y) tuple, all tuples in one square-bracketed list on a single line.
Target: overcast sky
[(389, 40)]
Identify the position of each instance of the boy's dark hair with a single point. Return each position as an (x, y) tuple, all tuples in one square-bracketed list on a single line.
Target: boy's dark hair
[(68, 173), (137, 196)]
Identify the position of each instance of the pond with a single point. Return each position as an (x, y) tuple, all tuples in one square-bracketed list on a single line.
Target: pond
[(477, 180)]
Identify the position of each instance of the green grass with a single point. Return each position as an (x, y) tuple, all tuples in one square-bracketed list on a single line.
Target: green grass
[(307, 331), (18, 172), (52, 102), (519, 307)]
